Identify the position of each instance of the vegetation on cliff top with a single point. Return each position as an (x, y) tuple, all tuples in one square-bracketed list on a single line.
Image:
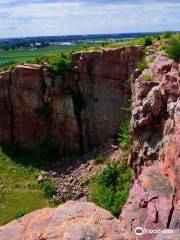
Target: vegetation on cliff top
[(173, 50), (60, 59)]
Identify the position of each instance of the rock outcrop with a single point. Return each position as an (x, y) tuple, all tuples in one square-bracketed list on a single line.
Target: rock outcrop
[(75, 112), (154, 201), (33, 105), (71, 221), (102, 80)]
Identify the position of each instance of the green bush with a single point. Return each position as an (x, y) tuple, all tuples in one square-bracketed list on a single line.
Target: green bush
[(61, 64), (173, 50), (147, 41), (167, 34), (20, 213), (49, 189), (124, 135), (141, 65), (110, 188)]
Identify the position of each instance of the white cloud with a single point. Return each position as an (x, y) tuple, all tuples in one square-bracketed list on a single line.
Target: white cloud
[(61, 18)]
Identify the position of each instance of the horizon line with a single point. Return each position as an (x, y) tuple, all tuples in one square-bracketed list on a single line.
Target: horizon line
[(90, 34)]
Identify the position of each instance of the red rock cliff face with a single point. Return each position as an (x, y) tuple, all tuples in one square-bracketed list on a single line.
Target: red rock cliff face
[(154, 201), (102, 77), (76, 112)]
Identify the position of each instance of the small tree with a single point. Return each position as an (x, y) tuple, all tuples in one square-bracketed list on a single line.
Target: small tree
[(173, 50), (167, 34), (147, 41)]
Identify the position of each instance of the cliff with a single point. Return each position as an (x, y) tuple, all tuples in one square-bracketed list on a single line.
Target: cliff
[(98, 83), (154, 201), (77, 111)]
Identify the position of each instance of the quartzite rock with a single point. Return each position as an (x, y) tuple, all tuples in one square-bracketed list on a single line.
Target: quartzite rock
[(71, 221), (79, 110), (102, 79), (154, 201)]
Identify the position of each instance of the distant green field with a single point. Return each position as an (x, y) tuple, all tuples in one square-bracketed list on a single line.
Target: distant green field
[(24, 55)]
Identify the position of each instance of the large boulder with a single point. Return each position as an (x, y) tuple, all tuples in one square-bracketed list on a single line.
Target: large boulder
[(71, 221)]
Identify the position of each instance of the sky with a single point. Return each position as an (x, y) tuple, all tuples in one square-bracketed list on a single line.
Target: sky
[(21, 18)]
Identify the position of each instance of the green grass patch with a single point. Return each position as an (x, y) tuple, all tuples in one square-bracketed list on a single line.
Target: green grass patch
[(24, 55), (110, 188), (20, 193)]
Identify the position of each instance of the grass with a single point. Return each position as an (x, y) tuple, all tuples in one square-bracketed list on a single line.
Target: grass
[(20, 193), (110, 188), (24, 55)]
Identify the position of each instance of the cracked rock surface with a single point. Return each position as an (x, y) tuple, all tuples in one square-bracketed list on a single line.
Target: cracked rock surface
[(73, 220), (154, 201)]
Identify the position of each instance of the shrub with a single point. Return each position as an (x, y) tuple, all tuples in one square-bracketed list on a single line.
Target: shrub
[(124, 136), (167, 34), (21, 213), (173, 50), (61, 64), (142, 64), (147, 41), (49, 189), (110, 188)]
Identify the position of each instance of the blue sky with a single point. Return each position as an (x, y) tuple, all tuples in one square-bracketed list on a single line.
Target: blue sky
[(63, 17)]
